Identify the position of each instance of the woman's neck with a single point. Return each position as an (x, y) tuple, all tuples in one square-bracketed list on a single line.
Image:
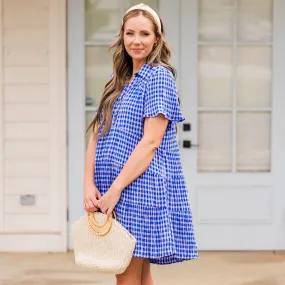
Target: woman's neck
[(137, 65)]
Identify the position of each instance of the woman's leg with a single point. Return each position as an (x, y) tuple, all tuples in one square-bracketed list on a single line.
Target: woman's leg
[(133, 274), (146, 274)]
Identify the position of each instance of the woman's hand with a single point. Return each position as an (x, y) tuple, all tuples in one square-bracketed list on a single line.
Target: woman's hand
[(109, 200), (91, 197)]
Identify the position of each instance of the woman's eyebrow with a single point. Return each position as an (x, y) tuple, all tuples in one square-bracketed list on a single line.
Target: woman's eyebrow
[(130, 30)]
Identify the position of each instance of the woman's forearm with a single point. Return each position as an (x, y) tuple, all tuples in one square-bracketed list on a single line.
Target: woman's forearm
[(137, 163), (90, 160)]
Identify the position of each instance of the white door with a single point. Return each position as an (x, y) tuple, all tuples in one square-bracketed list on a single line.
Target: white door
[(232, 91)]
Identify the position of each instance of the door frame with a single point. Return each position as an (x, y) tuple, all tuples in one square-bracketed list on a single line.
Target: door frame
[(76, 111)]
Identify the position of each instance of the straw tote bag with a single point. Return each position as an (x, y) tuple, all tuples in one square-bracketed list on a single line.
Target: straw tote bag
[(102, 244)]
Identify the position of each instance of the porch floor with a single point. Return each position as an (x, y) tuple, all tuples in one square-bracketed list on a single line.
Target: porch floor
[(221, 268)]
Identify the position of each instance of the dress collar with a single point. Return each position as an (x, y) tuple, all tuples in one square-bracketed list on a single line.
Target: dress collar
[(144, 71)]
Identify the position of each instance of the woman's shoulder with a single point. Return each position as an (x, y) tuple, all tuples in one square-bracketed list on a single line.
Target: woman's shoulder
[(159, 70), (161, 76)]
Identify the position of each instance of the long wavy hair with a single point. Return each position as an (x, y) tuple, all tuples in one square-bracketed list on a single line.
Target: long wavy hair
[(123, 69)]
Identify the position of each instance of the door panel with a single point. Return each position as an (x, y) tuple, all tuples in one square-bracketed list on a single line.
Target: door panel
[(227, 89)]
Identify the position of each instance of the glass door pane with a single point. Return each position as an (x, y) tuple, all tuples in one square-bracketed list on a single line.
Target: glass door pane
[(254, 74), (253, 141), (255, 20), (215, 142), (102, 19), (215, 20), (98, 70), (215, 76), (235, 85)]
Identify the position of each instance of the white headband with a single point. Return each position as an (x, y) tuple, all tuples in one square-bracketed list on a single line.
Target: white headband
[(148, 9)]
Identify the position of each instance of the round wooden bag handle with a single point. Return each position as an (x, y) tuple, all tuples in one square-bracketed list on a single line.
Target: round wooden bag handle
[(100, 229)]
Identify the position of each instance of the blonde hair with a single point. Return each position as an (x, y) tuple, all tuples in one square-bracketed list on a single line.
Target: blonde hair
[(123, 69)]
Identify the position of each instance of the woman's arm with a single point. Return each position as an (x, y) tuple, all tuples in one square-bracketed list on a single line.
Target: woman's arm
[(142, 155), (89, 160), (91, 192), (138, 162)]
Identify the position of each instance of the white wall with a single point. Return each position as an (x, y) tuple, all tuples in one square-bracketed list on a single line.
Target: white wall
[(33, 125)]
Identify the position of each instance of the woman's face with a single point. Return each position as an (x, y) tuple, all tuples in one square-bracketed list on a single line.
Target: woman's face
[(139, 37)]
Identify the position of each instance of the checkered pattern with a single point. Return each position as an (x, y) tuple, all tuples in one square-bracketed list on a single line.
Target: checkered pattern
[(154, 207)]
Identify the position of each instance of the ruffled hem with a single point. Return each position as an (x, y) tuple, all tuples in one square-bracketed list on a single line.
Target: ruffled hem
[(170, 259), (162, 236), (151, 212)]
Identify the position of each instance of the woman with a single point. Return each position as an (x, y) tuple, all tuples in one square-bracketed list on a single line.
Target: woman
[(137, 169)]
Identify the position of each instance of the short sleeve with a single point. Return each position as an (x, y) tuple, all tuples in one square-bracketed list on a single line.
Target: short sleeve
[(161, 96)]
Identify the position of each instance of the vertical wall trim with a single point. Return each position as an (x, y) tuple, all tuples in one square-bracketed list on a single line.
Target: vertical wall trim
[(1, 120), (76, 109)]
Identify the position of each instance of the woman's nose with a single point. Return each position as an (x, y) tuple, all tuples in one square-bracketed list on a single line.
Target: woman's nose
[(137, 40)]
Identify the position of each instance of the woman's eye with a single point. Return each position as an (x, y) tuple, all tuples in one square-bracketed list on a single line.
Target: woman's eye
[(128, 33), (146, 34)]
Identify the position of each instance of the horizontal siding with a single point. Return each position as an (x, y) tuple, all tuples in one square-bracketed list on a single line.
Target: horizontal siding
[(12, 5), (27, 112), (26, 223), (26, 94), (26, 75), (26, 56), (26, 131), (26, 149), (12, 205), (26, 167), (27, 185), (26, 38), (28, 17), (32, 66)]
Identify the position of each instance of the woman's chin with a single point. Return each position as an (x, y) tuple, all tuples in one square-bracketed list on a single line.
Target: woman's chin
[(139, 58)]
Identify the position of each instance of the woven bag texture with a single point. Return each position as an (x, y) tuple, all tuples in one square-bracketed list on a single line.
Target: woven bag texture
[(110, 253)]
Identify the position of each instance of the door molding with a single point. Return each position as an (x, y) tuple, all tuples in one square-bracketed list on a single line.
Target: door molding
[(76, 110), (1, 123)]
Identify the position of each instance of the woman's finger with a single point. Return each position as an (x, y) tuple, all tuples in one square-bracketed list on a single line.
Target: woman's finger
[(98, 195), (91, 207), (96, 209), (93, 200), (96, 203), (86, 207), (104, 210), (109, 213)]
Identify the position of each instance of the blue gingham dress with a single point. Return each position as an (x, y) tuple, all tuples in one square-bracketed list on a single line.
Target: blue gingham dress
[(154, 207)]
